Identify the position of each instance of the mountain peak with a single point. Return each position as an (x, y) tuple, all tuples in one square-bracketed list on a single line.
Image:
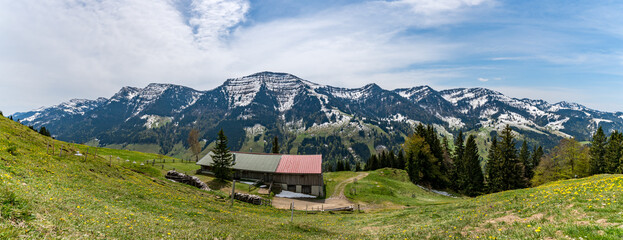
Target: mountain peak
[(283, 86)]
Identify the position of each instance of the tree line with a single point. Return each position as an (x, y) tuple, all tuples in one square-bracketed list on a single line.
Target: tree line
[(571, 159), (432, 162)]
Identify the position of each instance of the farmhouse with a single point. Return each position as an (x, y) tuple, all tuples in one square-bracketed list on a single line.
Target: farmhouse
[(296, 173)]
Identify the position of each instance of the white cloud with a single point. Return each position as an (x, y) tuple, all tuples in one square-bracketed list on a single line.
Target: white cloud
[(55, 50), (483, 79), (212, 19)]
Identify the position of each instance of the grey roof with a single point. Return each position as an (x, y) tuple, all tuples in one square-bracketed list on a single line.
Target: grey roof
[(249, 161)]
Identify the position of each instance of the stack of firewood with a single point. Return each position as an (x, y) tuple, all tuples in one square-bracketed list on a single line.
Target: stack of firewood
[(186, 179)]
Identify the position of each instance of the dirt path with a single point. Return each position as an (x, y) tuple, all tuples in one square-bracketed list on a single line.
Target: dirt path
[(337, 199)]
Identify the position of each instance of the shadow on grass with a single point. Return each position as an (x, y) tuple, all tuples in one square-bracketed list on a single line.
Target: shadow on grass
[(217, 184)]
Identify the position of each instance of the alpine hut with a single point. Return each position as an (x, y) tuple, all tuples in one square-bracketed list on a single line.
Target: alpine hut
[(296, 173)]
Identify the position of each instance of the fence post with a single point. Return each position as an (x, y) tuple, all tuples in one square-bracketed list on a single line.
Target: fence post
[(292, 215), (110, 159), (233, 191), (60, 154)]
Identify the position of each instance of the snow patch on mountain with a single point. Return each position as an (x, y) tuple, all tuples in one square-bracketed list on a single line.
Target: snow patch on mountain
[(453, 122), (284, 87), (457, 95), (155, 121), (599, 120), (416, 94), (557, 125), (257, 129)]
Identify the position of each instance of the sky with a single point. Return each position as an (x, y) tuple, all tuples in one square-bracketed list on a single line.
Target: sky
[(52, 51)]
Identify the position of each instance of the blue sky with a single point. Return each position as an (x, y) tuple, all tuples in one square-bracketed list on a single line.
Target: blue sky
[(55, 50)]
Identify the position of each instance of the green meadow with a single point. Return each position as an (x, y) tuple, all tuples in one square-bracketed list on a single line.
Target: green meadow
[(45, 196)]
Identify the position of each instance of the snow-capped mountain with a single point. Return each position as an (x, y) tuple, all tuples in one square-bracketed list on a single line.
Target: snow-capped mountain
[(297, 110)]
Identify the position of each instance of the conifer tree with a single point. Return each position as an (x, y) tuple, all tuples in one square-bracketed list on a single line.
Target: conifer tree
[(401, 161), (43, 131), (449, 167), (357, 166), (493, 169), (512, 168), (275, 148), (339, 166), (391, 159), (222, 160), (614, 151), (524, 158), (598, 152), (458, 162), (474, 181), (372, 163), (537, 154)]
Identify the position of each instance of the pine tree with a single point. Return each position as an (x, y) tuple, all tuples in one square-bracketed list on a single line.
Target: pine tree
[(598, 152), (512, 168), (357, 166), (346, 165), (391, 160), (614, 151), (537, 154), (449, 167), (401, 161), (458, 162), (43, 131), (275, 148), (524, 158), (339, 166), (474, 179), (222, 159), (493, 169)]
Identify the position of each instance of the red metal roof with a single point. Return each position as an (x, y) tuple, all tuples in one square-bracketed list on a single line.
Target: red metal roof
[(309, 164)]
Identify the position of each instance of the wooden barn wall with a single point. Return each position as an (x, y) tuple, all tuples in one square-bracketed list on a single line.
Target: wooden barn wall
[(299, 179), (290, 179)]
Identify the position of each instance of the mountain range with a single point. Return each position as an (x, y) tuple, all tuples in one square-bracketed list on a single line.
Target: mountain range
[(349, 123)]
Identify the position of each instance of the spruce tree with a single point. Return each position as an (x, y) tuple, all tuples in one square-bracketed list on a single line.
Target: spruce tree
[(598, 152), (458, 162), (474, 181), (43, 131), (391, 160), (537, 154), (614, 151), (494, 177), (401, 161), (449, 167), (512, 168), (222, 160), (524, 157), (275, 148), (339, 166), (357, 166)]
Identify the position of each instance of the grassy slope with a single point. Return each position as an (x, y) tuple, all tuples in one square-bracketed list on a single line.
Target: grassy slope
[(45, 196), (391, 187)]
